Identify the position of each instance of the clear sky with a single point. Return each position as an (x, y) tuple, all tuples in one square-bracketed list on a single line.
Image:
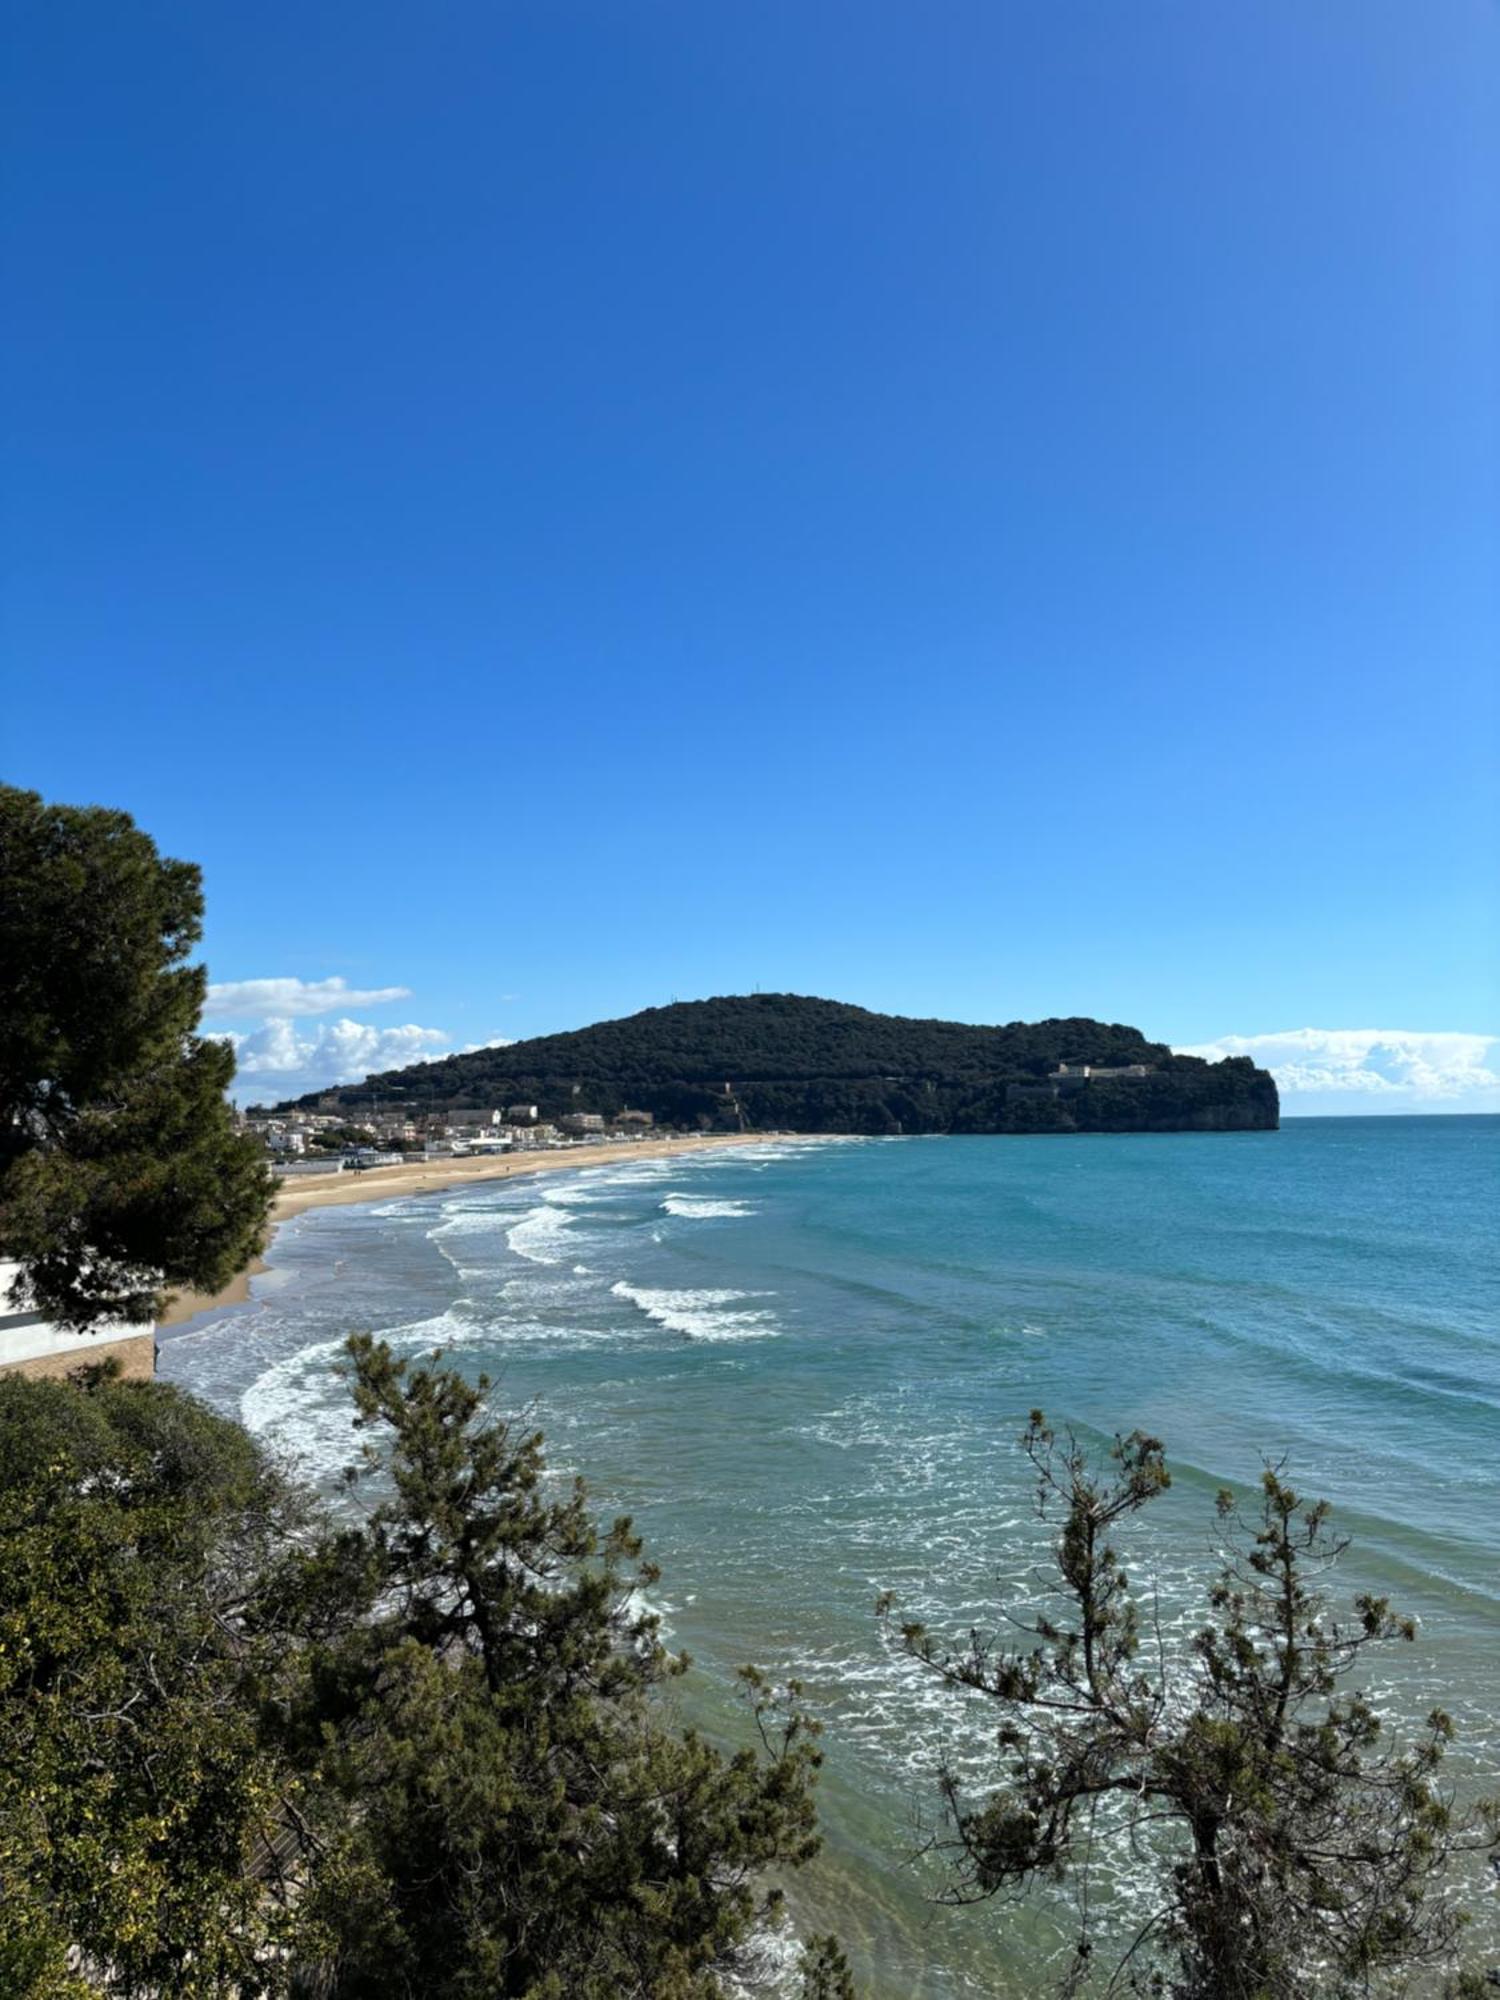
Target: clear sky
[(983, 509)]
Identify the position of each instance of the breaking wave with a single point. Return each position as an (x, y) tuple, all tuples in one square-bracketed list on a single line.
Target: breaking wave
[(538, 1236), (701, 1209), (701, 1315)]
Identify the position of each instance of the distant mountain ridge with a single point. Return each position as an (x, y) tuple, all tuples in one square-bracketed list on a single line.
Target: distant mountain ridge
[(785, 1061)]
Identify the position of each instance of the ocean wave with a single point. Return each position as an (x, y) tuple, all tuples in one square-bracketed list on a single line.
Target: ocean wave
[(538, 1235), (301, 1407), (466, 1221), (701, 1209), (701, 1315), (573, 1196), (545, 1335), (640, 1604)]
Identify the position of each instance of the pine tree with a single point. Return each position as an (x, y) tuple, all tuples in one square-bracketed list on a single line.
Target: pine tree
[(516, 1814), (121, 1173), (1294, 1854)]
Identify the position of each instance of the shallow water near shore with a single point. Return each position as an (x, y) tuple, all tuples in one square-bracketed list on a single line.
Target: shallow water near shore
[(802, 1367)]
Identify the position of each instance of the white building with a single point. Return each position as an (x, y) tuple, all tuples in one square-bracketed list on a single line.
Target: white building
[(31, 1345), (1084, 1070)]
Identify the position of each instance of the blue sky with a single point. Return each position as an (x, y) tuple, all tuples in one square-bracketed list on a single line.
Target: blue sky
[(986, 510)]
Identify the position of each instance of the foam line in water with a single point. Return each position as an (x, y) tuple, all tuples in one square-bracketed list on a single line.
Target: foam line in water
[(572, 1197), (701, 1210), (701, 1315)]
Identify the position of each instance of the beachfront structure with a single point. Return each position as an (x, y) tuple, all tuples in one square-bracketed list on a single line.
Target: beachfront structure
[(579, 1122), (522, 1114), (636, 1118), (31, 1345), (465, 1118)]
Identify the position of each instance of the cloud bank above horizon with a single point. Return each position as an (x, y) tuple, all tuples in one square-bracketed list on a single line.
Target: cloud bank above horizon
[(281, 1058), (1362, 1070), (277, 1061), (243, 999)]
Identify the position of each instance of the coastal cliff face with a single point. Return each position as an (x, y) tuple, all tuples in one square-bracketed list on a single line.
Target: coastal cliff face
[(780, 1061), (1189, 1095), (1227, 1117)]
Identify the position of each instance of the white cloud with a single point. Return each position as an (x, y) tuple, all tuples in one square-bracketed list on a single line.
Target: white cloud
[(494, 1042), (334, 1052), (241, 999), (1371, 1069)]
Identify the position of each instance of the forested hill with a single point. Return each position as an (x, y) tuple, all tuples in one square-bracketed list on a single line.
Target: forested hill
[(778, 1060)]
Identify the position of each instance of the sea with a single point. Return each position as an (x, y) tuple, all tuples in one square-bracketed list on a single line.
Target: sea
[(802, 1367)]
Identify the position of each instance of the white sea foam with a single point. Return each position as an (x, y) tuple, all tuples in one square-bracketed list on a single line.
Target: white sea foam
[(458, 1221), (639, 1604), (701, 1315), (301, 1407), (701, 1209), (767, 1151), (545, 1334), (538, 1236), (769, 1966)]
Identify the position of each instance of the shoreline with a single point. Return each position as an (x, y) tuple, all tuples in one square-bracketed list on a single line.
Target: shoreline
[(337, 1190)]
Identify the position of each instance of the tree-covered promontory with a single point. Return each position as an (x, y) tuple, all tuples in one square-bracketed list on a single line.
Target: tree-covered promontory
[(787, 1062)]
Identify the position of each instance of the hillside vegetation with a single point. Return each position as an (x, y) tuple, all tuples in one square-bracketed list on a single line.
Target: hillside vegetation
[(782, 1061)]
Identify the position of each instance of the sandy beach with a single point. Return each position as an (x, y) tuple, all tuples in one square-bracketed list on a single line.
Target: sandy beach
[(335, 1188)]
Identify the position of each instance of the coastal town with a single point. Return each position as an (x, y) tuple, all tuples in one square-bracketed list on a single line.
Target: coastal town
[(320, 1141)]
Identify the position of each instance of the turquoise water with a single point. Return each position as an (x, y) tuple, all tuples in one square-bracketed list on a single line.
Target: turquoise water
[(802, 1368)]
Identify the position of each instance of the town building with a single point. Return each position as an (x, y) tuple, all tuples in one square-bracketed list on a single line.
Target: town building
[(470, 1118)]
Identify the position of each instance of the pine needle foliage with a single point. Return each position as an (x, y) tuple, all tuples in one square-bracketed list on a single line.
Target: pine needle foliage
[(523, 1817), (1292, 1852), (254, 1750), (121, 1173), (140, 1536)]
